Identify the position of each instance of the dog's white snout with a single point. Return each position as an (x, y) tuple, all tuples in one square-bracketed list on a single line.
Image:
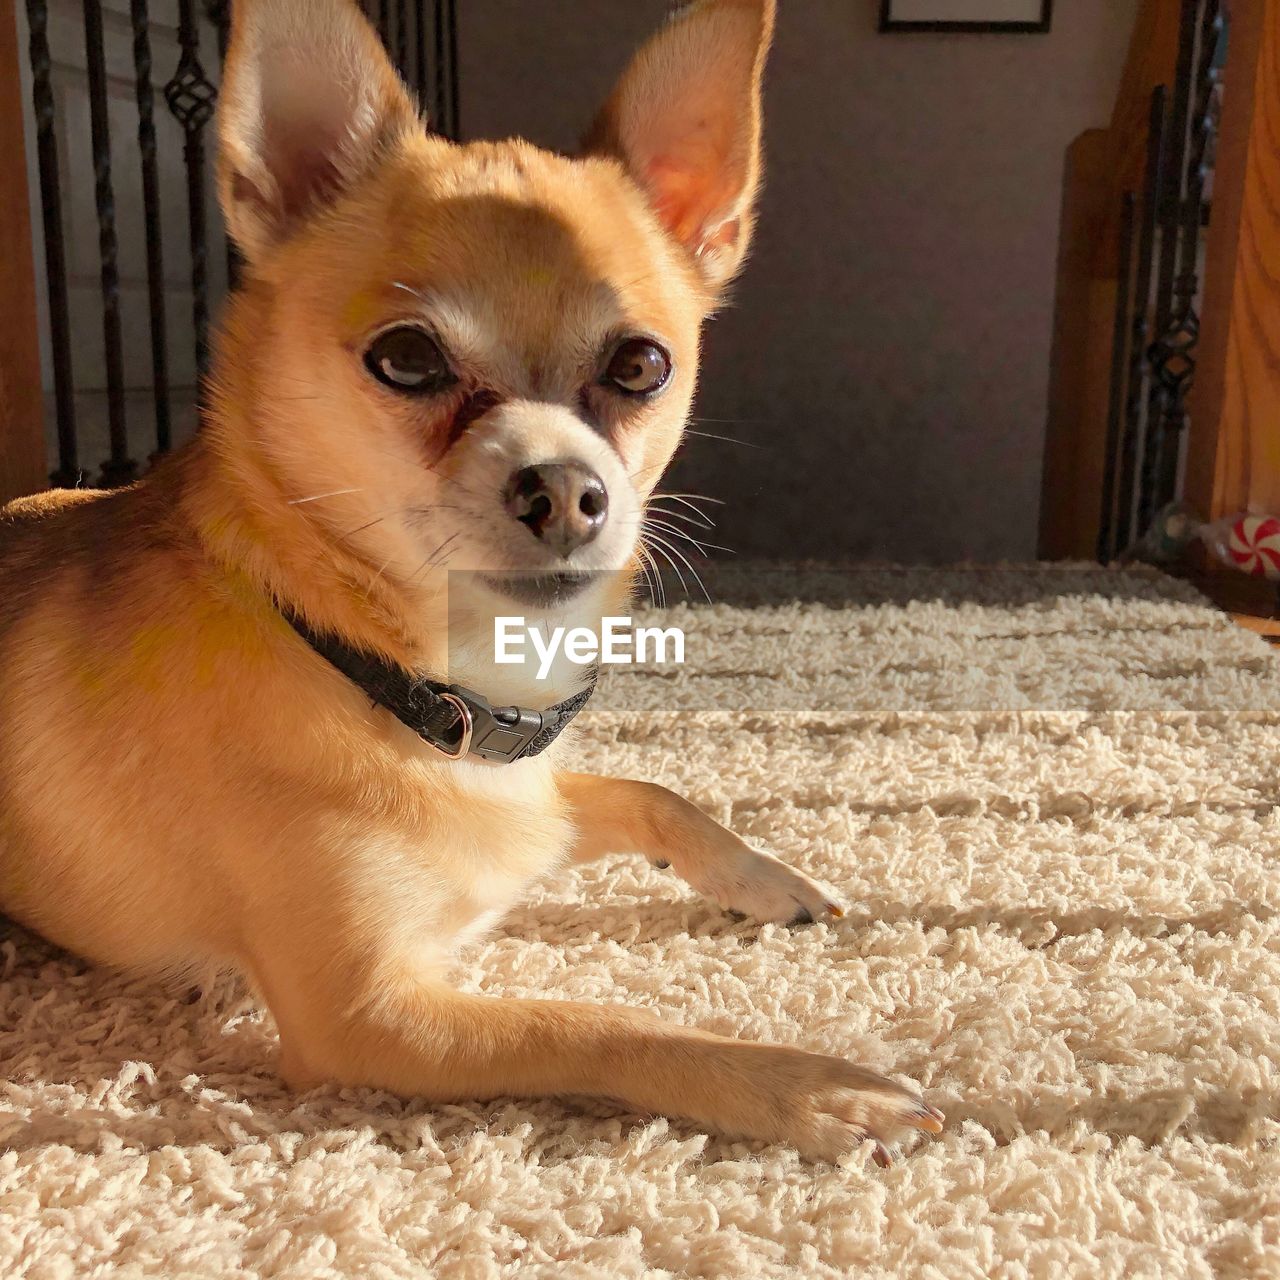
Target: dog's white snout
[(551, 473)]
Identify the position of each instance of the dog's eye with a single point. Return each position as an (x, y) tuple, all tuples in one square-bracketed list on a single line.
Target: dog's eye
[(408, 359), (638, 367)]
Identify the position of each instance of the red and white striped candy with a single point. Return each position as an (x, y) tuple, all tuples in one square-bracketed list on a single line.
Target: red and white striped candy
[(1254, 545)]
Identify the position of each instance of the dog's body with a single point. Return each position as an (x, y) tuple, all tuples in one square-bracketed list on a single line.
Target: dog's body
[(431, 340)]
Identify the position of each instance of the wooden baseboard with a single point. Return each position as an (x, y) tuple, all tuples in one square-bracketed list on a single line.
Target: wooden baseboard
[(1253, 603), (1267, 628)]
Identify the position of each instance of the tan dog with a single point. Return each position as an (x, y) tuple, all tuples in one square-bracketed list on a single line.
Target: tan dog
[(443, 357)]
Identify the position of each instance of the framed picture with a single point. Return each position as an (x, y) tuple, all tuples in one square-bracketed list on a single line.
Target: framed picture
[(966, 15)]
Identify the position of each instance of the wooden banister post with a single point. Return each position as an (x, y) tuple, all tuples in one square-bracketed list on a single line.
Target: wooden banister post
[(1233, 450), (1084, 310), (1102, 166), (23, 467)]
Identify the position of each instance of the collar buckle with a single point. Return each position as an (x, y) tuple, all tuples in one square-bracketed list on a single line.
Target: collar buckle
[(497, 734), (459, 751)]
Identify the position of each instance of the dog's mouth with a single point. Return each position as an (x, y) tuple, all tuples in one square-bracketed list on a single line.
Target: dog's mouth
[(542, 589)]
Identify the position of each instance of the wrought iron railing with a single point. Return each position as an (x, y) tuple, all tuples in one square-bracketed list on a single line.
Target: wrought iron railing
[(422, 37), (1157, 324)]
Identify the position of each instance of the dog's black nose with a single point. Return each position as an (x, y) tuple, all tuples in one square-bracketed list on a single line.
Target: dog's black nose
[(563, 503)]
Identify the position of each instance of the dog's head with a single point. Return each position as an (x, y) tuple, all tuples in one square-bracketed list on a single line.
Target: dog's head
[(477, 356)]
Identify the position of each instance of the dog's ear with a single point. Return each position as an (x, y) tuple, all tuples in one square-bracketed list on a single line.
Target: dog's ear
[(685, 121), (308, 100)]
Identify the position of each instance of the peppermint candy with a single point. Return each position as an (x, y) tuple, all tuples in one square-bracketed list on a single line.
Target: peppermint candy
[(1254, 545)]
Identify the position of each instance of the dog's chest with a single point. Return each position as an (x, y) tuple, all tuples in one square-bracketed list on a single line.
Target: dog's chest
[(469, 852)]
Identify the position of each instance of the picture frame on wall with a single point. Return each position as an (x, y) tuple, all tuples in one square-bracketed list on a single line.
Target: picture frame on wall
[(1008, 16)]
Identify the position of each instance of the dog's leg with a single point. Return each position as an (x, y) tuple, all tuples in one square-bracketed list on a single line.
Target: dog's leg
[(617, 815), (388, 1028)]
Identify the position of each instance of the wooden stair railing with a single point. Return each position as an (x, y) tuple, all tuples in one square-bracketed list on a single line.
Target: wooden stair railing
[(1233, 450), (1102, 165), (22, 460), (1233, 427)]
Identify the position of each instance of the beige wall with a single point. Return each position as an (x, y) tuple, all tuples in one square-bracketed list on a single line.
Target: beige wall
[(888, 350)]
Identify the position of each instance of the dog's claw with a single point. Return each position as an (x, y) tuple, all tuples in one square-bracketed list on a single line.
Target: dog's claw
[(923, 1117), (930, 1119), (830, 910)]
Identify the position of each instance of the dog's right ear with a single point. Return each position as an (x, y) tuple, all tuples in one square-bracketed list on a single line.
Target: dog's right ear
[(309, 99)]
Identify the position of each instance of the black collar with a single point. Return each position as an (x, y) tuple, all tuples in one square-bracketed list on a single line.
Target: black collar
[(454, 720)]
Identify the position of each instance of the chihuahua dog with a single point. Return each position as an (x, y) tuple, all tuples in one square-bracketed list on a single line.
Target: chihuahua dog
[(223, 737)]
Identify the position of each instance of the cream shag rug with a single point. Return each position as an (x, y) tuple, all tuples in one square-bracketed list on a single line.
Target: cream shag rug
[(1050, 801)]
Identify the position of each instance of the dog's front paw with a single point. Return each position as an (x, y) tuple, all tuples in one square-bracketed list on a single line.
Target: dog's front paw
[(842, 1114), (825, 1107), (758, 885)]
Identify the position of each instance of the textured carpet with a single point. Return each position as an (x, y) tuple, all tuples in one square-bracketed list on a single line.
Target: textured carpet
[(1050, 800)]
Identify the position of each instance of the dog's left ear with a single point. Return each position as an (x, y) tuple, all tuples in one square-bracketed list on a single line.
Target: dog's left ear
[(685, 121)]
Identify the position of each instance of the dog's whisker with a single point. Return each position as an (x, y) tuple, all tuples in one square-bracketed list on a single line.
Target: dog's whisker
[(658, 571), (710, 435), (367, 591), (409, 289), (439, 557), (689, 498), (315, 497), (676, 532), (699, 548), (646, 565), (700, 523), (684, 560), (443, 552), (351, 533), (662, 548), (646, 560)]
